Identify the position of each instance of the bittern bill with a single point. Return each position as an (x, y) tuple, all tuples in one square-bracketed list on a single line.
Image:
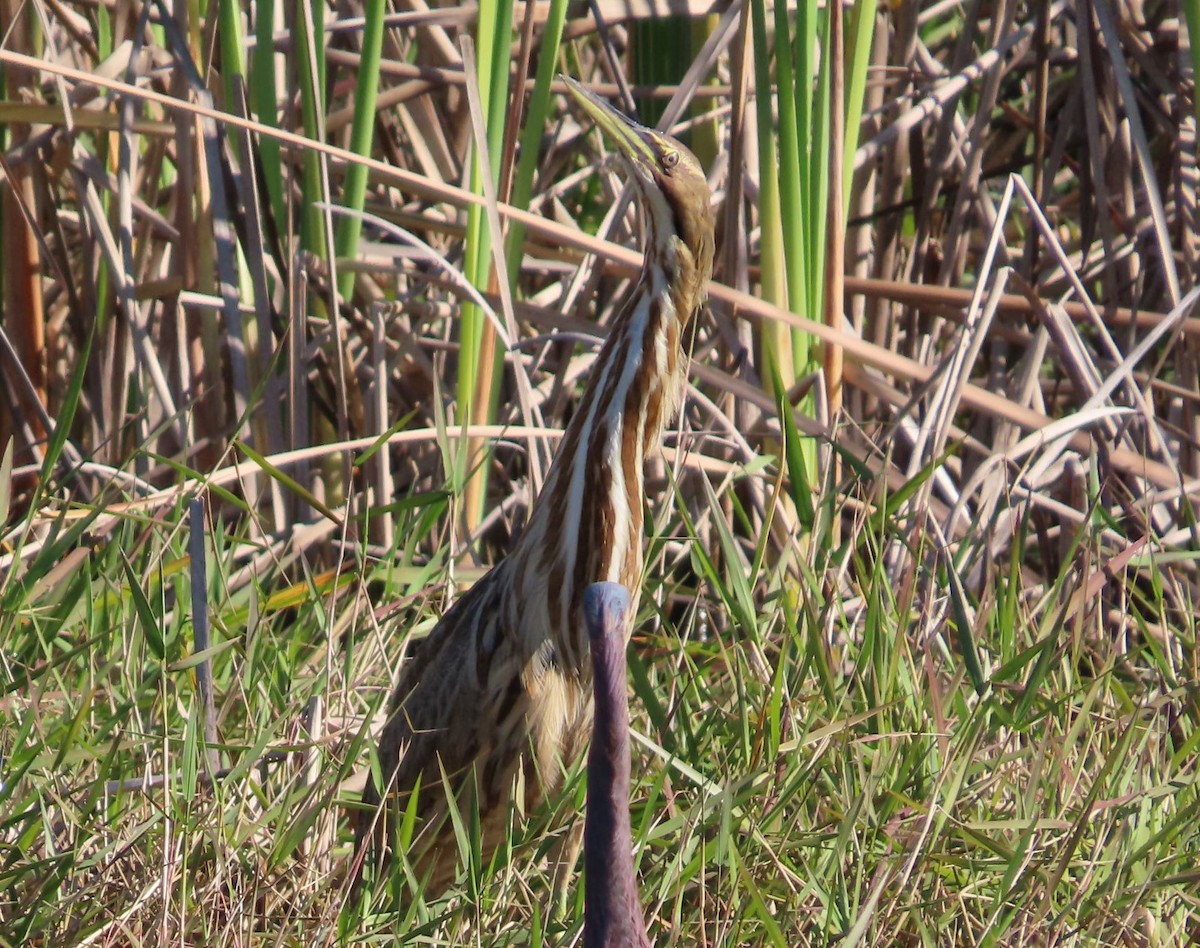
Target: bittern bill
[(498, 698)]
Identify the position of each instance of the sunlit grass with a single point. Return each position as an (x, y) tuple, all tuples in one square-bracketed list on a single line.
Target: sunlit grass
[(770, 805)]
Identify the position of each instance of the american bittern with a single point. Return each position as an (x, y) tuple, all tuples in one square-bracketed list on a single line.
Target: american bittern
[(612, 910), (499, 696)]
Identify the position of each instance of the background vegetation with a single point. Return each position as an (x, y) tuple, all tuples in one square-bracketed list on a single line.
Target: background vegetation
[(283, 363)]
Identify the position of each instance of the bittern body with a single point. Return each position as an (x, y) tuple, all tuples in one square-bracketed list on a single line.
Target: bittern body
[(499, 696)]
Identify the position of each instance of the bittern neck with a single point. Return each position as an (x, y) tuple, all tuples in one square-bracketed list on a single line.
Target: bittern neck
[(586, 525)]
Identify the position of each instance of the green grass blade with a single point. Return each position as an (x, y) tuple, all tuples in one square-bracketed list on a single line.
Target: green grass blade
[(362, 133), (264, 98), (537, 114), (479, 357), (289, 482)]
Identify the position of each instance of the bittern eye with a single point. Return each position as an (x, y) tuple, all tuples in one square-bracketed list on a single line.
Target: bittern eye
[(670, 159)]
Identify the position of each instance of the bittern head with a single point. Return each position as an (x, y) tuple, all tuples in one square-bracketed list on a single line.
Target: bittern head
[(673, 187)]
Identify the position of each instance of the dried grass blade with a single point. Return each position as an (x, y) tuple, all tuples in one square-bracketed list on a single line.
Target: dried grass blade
[(1137, 130)]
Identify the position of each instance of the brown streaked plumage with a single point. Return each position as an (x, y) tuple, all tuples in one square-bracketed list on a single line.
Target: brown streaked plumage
[(501, 689)]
